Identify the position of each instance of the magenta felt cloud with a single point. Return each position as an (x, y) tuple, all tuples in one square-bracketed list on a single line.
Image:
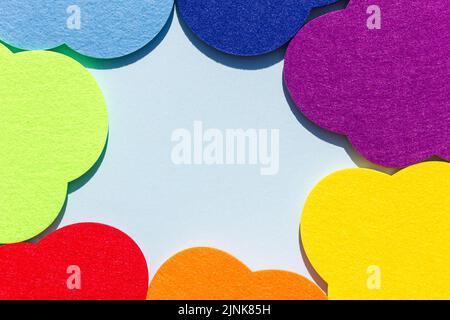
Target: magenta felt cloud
[(379, 75)]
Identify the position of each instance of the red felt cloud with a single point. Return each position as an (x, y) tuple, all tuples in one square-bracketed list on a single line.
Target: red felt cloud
[(80, 261)]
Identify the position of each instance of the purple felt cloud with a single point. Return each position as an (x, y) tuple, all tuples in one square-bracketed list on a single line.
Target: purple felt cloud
[(379, 75)]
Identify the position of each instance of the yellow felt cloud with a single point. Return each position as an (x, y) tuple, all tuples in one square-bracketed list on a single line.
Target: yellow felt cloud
[(53, 128), (374, 236)]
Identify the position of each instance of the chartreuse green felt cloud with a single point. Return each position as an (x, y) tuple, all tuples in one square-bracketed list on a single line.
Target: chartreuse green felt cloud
[(53, 128)]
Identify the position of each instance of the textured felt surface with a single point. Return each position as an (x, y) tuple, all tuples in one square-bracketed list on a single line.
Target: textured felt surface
[(53, 128), (108, 28), (111, 266), (246, 28), (374, 236), (386, 89), (210, 274)]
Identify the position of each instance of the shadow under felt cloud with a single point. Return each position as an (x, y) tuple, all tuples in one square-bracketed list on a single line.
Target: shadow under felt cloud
[(252, 62), (331, 137), (104, 64), (316, 12), (237, 62), (53, 227), (72, 187), (81, 181), (312, 272)]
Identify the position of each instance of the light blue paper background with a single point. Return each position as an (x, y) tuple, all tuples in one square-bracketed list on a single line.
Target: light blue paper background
[(167, 208)]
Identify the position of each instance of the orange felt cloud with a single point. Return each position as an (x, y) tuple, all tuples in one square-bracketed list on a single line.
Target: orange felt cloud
[(210, 274)]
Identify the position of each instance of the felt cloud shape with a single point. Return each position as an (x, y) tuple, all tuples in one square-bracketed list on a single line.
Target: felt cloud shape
[(246, 28), (99, 29), (374, 236), (53, 128), (210, 274), (85, 261), (379, 75)]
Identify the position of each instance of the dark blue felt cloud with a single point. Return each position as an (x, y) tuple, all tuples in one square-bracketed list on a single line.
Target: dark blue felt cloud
[(246, 27), (95, 28)]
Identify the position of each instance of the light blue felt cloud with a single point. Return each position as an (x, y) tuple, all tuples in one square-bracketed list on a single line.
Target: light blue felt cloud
[(96, 28)]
